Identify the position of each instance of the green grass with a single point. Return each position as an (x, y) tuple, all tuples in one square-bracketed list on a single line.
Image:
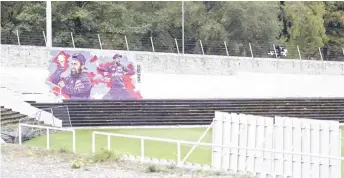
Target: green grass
[(63, 140), (163, 150)]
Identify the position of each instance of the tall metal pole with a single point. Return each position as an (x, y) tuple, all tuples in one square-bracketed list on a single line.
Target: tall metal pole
[(183, 25), (49, 24)]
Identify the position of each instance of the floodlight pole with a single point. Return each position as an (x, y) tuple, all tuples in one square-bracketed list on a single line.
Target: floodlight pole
[(183, 27), (49, 24)]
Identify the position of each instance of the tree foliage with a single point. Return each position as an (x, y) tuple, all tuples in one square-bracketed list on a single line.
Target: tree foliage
[(309, 25)]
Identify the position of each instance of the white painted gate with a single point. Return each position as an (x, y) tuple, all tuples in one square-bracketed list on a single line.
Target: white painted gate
[(299, 148)]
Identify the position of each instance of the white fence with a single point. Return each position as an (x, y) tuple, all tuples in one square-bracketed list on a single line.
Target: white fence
[(143, 138), (300, 148), (335, 160), (48, 133)]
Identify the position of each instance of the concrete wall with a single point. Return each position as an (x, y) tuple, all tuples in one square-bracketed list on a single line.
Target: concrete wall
[(241, 85), (169, 63), (186, 86), (170, 76)]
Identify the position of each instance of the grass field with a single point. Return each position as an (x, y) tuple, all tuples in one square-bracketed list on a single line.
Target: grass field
[(163, 150), (202, 155)]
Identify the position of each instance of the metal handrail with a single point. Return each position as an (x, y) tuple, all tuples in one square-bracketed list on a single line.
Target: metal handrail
[(48, 133)]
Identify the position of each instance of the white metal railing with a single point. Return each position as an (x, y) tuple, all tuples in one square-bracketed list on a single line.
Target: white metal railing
[(36, 118), (52, 113), (48, 134), (179, 142)]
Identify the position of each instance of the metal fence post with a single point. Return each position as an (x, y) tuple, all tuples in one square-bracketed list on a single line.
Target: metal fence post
[(18, 37), (71, 34), (277, 61), (321, 56), (20, 134), (48, 139), (100, 42), (200, 41), (126, 42), (175, 40), (45, 38), (275, 50), (322, 59), (251, 50), (298, 50), (151, 38), (108, 142), (226, 48)]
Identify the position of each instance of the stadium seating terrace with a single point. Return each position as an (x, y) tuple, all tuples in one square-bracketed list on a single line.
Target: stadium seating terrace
[(188, 112)]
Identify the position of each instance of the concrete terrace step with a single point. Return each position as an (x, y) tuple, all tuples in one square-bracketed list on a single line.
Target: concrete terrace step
[(10, 117), (210, 114), (157, 111), (124, 123), (5, 110), (93, 120), (202, 107), (5, 114), (321, 99), (189, 118), (195, 112), (9, 122), (14, 116), (48, 105)]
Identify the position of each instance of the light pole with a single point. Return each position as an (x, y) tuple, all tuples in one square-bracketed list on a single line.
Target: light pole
[(49, 24), (183, 27)]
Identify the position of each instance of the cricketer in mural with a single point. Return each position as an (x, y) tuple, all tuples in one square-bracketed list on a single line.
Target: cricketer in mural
[(78, 84), (117, 72), (92, 76)]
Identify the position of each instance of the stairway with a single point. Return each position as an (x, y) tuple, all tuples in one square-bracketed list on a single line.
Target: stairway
[(9, 117)]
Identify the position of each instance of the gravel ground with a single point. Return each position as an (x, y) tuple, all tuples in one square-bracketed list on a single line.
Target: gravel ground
[(20, 161)]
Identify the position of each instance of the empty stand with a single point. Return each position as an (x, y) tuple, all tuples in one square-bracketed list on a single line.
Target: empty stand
[(190, 112), (10, 117)]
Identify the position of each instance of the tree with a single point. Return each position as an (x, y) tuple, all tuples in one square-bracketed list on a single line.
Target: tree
[(334, 25), (24, 17), (247, 22), (308, 24), (306, 27)]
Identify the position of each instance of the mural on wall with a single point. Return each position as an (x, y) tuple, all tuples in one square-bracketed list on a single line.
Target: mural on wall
[(94, 75)]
